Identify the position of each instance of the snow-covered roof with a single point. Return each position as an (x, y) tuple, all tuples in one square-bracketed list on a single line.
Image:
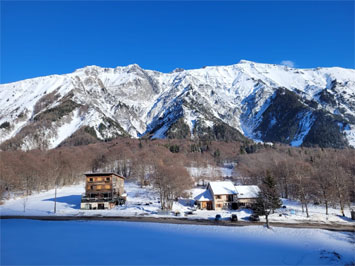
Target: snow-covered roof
[(204, 196), (222, 188), (247, 192)]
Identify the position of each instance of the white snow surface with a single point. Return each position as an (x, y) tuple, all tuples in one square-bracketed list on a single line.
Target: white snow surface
[(66, 129), (211, 172), (305, 125), (222, 187), (350, 135), (145, 202), (30, 242), (247, 192), (138, 99), (204, 196)]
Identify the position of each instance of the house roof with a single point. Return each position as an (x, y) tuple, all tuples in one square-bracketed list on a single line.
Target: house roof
[(103, 174), (204, 196), (247, 192), (222, 188)]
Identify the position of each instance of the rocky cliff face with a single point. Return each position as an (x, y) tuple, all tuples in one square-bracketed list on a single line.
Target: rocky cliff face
[(259, 101)]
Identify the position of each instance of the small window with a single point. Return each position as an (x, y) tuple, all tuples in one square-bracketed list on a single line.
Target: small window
[(91, 179), (218, 197), (92, 187), (107, 179)]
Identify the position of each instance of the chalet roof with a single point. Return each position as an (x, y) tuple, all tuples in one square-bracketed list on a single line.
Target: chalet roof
[(103, 174), (204, 196), (222, 188), (247, 192)]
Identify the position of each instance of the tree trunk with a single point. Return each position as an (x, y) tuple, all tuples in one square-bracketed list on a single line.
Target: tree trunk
[(286, 191), (24, 204), (25, 199), (161, 199), (306, 205), (326, 207), (267, 220), (55, 199), (340, 195), (342, 208), (142, 182), (325, 201)]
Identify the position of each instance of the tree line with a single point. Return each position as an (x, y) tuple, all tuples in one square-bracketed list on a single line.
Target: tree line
[(324, 176), (309, 175)]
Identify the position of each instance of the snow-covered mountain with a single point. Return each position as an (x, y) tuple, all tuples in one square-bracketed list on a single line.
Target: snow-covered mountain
[(260, 101)]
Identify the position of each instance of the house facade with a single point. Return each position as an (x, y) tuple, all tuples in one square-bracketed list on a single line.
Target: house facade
[(103, 191), (247, 195), (204, 200), (224, 195)]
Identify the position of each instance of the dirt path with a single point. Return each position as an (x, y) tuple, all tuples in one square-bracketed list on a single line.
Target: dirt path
[(182, 220)]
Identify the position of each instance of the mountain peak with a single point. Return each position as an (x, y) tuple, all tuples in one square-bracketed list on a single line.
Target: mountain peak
[(243, 61), (88, 68), (103, 103), (133, 66)]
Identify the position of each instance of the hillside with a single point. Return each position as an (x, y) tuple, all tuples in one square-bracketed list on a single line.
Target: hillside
[(263, 102)]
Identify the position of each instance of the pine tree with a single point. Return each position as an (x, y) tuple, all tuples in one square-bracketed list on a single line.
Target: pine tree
[(268, 198)]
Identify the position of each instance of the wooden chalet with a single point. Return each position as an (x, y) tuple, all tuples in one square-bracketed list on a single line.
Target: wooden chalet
[(224, 195), (103, 191)]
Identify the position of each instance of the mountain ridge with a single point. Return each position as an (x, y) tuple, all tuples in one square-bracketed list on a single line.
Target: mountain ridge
[(131, 101)]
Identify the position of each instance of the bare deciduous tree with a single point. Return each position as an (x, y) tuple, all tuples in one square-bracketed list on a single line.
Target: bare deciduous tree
[(172, 182)]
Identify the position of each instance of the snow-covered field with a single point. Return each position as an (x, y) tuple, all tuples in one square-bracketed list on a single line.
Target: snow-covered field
[(29, 242), (145, 202)]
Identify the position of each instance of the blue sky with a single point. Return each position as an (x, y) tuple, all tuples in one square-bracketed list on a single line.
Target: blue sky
[(43, 38)]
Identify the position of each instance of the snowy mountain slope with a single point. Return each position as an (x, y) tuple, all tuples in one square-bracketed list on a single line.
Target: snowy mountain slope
[(260, 101)]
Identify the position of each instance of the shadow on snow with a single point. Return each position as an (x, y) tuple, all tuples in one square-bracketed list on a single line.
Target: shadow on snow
[(72, 200)]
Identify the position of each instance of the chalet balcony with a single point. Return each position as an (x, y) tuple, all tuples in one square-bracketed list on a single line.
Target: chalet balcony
[(98, 198)]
